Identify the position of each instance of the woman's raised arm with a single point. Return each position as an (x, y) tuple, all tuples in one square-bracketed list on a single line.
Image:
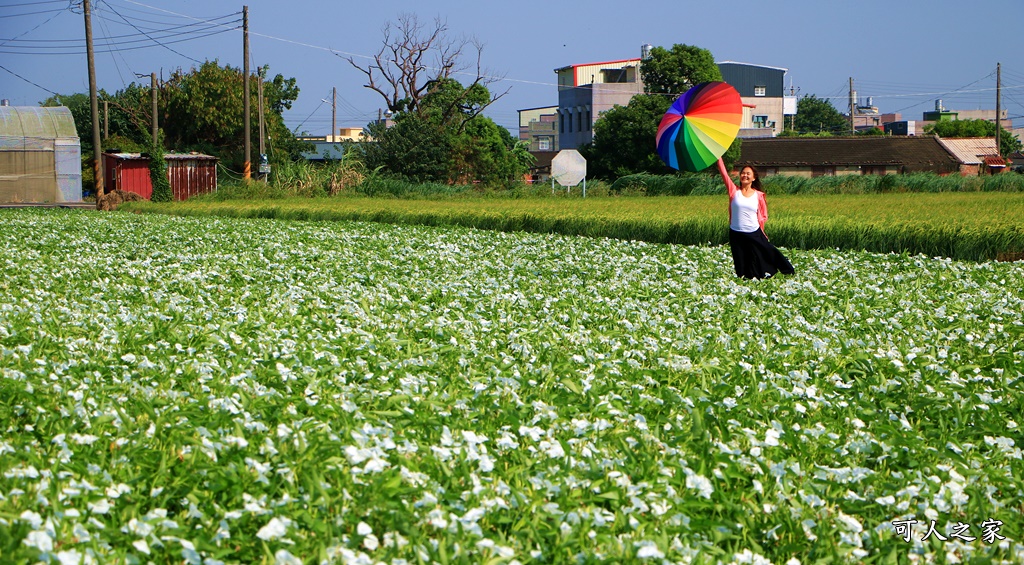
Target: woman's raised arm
[(729, 185)]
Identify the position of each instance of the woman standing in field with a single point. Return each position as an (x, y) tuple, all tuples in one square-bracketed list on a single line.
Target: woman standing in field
[(753, 256)]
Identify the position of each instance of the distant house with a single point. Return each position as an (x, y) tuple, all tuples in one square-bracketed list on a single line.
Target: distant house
[(977, 155), (586, 91), (332, 147), (541, 169), (762, 89), (539, 128), (832, 156)]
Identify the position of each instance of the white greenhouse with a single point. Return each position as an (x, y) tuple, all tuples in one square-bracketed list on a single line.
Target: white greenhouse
[(40, 155)]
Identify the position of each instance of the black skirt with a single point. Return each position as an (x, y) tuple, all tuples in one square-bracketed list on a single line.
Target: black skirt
[(755, 257)]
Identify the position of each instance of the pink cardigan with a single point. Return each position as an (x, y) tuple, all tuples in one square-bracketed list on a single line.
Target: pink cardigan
[(762, 204)]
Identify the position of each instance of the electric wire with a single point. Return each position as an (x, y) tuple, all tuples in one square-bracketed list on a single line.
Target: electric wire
[(179, 53), (28, 81)]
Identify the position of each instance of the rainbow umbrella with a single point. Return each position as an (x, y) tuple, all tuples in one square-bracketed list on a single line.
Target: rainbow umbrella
[(700, 126)]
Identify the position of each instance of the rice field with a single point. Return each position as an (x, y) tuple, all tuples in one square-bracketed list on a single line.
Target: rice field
[(209, 390), (970, 226)]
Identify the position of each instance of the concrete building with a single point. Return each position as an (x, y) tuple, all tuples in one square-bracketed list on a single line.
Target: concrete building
[(539, 128), (762, 87), (585, 91)]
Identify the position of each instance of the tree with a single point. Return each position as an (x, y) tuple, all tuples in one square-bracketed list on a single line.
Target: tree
[(1008, 143), (202, 110), (674, 71), (447, 142), (818, 115), (439, 133), (624, 136), (624, 139), (402, 72)]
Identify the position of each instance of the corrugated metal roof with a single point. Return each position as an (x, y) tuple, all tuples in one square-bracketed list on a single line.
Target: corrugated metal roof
[(189, 157), (37, 122), (970, 150), (912, 153), (167, 156)]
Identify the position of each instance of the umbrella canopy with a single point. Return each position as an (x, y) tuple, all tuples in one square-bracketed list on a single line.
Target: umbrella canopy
[(700, 126)]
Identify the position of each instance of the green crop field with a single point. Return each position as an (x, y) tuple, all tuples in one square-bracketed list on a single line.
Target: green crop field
[(210, 390), (973, 226)]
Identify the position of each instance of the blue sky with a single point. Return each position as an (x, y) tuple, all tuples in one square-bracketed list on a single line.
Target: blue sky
[(904, 54)]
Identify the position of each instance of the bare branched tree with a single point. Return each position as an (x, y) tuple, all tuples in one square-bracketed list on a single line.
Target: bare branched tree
[(414, 60)]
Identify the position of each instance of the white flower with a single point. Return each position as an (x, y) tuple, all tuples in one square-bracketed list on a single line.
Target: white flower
[(141, 545), (699, 483), (771, 437), (552, 448), (100, 507), (370, 542), (650, 551), (34, 520), (284, 557), (40, 540), (274, 529), (70, 557)]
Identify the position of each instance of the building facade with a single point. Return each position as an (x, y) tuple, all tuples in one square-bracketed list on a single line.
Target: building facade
[(763, 88), (539, 128), (586, 91)]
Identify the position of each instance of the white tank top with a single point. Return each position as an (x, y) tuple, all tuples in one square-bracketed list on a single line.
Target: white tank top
[(744, 213)]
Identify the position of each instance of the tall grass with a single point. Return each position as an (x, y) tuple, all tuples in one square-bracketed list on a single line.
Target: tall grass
[(978, 226), (705, 184)]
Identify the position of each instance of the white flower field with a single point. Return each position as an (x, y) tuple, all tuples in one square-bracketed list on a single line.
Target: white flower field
[(206, 391)]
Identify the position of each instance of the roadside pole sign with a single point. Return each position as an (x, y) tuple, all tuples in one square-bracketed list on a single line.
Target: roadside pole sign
[(569, 168)]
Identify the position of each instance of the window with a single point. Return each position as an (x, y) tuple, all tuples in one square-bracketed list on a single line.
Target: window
[(561, 122), (826, 171), (760, 91), (760, 121), (543, 143), (614, 75), (588, 120), (872, 170)]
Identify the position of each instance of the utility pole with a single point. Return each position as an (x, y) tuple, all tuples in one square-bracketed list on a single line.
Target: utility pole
[(262, 173), (156, 123), (853, 127), (999, 117), (97, 143), (334, 113), (247, 167)]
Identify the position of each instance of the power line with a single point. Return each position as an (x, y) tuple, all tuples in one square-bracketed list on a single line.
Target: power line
[(28, 81), (107, 47), (15, 38), (151, 38)]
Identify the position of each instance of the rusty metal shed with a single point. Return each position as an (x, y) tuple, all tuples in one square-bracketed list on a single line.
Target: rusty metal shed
[(40, 155), (190, 174)]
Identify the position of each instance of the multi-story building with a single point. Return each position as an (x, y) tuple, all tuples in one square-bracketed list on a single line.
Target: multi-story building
[(763, 88), (586, 91), (539, 128)]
